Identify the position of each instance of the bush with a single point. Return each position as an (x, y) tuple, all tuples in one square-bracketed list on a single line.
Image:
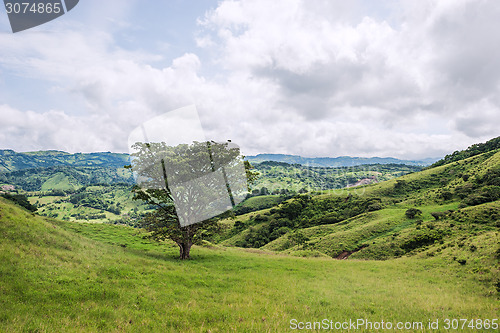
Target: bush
[(330, 218), (298, 238), (58, 193), (291, 209), (412, 212), (260, 218), (20, 200), (422, 238), (238, 225), (374, 207), (446, 195), (437, 215), (486, 194), (277, 233)]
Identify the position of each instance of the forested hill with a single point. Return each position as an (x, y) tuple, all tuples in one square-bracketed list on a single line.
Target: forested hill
[(341, 161), (57, 170), (13, 161), (473, 150)]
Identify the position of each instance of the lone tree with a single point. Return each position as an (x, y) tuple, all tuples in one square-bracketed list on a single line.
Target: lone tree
[(169, 177)]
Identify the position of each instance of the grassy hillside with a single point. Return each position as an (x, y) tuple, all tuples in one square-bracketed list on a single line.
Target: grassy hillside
[(276, 176), (473, 150), (259, 203), (458, 221), (423, 246), (95, 187), (59, 276)]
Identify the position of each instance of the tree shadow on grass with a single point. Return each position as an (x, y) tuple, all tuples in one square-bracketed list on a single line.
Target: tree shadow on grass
[(172, 255)]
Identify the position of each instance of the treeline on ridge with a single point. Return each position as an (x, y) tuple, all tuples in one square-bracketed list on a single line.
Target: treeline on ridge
[(473, 150)]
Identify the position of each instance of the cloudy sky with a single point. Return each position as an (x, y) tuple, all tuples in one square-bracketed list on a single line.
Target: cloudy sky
[(408, 79)]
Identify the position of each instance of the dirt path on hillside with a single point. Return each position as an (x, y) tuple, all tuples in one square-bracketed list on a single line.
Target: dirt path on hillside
[(346, 254)]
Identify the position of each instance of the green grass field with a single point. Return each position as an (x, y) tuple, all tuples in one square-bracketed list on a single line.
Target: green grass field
[(269, 269), (60, 276)]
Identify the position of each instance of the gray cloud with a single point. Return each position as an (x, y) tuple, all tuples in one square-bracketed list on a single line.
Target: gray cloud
[(436, 60), (317, 78)]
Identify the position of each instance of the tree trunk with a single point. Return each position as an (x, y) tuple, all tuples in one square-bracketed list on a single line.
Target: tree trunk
[(184, 249)]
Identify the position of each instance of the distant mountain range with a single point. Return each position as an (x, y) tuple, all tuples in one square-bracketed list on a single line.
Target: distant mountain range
[(340, 161), (13, 161)]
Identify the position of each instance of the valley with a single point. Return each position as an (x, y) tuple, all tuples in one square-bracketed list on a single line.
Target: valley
[(414, 245)]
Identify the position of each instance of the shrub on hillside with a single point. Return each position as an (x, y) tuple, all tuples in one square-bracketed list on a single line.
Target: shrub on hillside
[(374, 206), (412, 212), (260, 218), (446, 195), (422, 238), (490, 178), (485, 194), (464, 190), (298, 238), (58, 193), (20, 200), (438, 215)]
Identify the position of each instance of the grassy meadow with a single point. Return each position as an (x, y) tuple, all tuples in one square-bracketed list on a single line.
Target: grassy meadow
[(421, 248), (58, 276)]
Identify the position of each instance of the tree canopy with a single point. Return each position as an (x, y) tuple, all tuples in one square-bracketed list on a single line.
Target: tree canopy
[(190, 185)]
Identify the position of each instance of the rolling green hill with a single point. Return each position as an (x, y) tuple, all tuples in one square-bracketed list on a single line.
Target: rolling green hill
[(12, 161), (458, 219), (58, 276), (275, 176), (473, 150), (66, 178), (53, 179), (54, 170), (421, 247), (95, 203)]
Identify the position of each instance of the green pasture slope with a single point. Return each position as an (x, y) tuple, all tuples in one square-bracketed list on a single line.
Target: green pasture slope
[(273, 266), (459, 221), (58, 276)]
